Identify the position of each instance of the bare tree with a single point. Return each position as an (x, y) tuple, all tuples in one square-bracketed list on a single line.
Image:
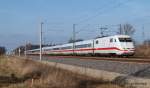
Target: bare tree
[(146, 42), (126, 29)]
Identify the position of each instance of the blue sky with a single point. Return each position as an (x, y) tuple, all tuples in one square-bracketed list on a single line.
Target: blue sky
[(20, 19)]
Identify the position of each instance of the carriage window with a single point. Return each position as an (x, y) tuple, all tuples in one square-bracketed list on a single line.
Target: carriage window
[(111, 40), (67, 47), (83, 46), (97, 42), (55, 48)]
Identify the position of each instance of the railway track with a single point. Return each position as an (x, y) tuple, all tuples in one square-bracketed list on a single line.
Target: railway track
[(129, 66), (135, 60)]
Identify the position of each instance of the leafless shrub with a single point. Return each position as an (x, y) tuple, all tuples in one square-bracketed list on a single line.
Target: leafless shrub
[(143, 50)]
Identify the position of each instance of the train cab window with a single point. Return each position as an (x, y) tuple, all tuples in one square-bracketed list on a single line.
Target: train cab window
[(115, 40), (97, 42), (125, 39), (128, 40)]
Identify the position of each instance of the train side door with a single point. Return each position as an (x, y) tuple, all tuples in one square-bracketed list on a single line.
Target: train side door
[(113, 43), (93, 47)]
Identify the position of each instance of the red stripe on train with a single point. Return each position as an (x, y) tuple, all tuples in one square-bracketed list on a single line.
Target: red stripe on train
[(89, 49)]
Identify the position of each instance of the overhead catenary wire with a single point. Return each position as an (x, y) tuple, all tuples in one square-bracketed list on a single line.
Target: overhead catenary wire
[(102, 12), (99, 12), (103, 6), (83, 29)]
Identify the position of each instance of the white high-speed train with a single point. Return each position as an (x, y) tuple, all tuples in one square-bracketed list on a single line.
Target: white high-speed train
[(120, 45)]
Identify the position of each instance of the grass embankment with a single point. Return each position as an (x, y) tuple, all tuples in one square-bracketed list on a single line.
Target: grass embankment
[(21, 73)]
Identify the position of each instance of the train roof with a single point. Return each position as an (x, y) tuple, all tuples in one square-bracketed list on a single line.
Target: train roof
[(126, 36), (33, 49), (122, 35)]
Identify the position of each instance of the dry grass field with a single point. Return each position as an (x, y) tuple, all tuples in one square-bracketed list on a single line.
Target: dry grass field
[(23, 73), (143, 51)]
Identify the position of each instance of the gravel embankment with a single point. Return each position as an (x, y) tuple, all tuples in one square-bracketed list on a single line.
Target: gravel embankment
[(136, 69)]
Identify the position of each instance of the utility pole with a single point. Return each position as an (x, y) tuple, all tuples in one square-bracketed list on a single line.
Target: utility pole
[(41, 26), (19, 52), (102, 31), (74, 38), (120, 29), (25, 49), (143, 33)]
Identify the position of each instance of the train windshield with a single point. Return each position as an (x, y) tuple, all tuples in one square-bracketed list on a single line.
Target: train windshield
[(125, 39)]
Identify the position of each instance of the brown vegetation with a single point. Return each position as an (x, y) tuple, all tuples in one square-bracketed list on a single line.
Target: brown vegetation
[(143, 50), (23, 73)]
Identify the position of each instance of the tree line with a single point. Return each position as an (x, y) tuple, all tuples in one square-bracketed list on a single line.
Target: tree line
[(28, 46), (2, 50)]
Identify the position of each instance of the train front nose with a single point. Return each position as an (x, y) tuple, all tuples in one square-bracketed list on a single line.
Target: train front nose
[(128, 51), (128, 48)]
